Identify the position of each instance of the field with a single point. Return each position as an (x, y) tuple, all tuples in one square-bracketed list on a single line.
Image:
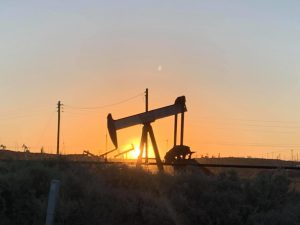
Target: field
[(117, 194)]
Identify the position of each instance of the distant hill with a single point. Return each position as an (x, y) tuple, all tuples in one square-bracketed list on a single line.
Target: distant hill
[(247, 161), (14, 155), (249, 172)]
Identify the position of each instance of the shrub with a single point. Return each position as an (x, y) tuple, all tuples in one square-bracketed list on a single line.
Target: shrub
[(103, 194)]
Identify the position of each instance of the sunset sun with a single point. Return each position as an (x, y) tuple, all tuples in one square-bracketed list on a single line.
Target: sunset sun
[(134, 154)]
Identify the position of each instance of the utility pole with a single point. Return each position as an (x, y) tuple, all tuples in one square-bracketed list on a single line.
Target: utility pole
[(292, 154), (146, 109), (58, 126)]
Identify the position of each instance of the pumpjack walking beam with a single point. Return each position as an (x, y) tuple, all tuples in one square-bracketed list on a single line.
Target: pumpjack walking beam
[(143, 118), (146, 119)]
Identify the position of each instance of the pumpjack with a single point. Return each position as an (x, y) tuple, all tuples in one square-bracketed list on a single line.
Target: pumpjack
[(179, 153)]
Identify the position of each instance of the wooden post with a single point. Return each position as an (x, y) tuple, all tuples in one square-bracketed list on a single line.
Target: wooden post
[(52, 201)]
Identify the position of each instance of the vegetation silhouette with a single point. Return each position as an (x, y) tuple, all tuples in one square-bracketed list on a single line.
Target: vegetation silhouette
[(110, 194)]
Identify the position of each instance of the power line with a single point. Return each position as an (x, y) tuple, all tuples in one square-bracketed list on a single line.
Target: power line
[(251, 144), (45, 128), (203, 117), (266, 121), (27, 108), (104, 106), (19, 116), (79, 112), (226, 125)]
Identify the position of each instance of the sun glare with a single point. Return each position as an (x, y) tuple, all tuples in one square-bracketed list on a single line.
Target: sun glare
[(134, 154)]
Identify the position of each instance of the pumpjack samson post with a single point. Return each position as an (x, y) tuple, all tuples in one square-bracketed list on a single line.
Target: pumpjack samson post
[(177, 154)]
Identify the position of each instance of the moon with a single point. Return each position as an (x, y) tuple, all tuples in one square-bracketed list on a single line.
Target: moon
[(159, 68)]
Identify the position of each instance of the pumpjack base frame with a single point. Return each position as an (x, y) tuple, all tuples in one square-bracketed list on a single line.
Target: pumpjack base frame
[(147, 129)]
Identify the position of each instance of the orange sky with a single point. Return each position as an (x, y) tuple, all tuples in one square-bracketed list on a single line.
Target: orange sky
[(206, 134), (236, 63)]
